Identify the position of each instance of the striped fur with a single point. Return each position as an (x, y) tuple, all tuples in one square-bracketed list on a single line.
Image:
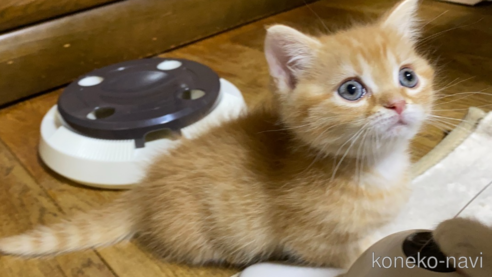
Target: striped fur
[(102, 227)]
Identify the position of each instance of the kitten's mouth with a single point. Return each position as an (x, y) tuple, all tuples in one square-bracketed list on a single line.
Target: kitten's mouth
[(399, 121), (398, 125)]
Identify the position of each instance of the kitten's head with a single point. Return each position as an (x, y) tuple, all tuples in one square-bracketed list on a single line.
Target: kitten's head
[(362, 84)]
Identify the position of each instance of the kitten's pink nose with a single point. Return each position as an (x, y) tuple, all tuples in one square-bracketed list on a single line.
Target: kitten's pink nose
[(398, 106)]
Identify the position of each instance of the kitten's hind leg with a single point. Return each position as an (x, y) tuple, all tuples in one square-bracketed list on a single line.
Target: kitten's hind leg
[(469, 242)]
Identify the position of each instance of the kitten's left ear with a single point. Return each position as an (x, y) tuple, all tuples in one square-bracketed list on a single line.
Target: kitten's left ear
[(403, 19)]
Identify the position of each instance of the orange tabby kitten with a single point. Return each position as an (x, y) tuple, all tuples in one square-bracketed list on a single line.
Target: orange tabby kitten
[(309, 177)]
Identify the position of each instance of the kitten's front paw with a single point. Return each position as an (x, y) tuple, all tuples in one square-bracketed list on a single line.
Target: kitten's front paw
[(461, 237), (469, 242)]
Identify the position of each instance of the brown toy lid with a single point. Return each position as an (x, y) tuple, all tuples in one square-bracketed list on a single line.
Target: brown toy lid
[(131, 99)]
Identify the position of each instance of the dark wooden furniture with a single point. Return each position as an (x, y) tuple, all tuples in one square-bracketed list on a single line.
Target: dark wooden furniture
[(47, 43)]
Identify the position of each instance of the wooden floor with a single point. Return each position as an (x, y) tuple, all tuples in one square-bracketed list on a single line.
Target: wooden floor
[(457, 38)]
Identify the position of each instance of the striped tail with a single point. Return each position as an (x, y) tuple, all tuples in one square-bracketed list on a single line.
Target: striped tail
[(97, 228)]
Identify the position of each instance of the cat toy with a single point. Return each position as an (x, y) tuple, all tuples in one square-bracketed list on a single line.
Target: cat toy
[(109, 122), (408, 254)]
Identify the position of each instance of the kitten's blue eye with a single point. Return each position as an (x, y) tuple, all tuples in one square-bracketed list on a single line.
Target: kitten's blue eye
[(408, 78), (351, 90)]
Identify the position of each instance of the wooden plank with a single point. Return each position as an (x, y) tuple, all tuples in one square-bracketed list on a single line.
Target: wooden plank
[(51, 54), (23, 205), (237, 56), (16, 13)]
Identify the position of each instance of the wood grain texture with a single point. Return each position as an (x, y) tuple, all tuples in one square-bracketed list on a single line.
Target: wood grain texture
[(25, 204), (48, 55), (459, 45), (16, 13)]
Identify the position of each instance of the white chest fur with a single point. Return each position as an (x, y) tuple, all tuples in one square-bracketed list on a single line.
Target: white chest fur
[(389, 170)]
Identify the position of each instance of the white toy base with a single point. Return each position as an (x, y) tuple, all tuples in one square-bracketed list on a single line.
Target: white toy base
[(118, 164)]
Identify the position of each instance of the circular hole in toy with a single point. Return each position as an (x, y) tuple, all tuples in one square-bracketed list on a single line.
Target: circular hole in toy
[(168, 65), (101, 113), (192, 94), (422, 248), (90, 81)]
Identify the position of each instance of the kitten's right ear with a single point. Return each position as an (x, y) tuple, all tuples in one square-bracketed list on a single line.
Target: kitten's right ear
[(403, 19), (289, 53)]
